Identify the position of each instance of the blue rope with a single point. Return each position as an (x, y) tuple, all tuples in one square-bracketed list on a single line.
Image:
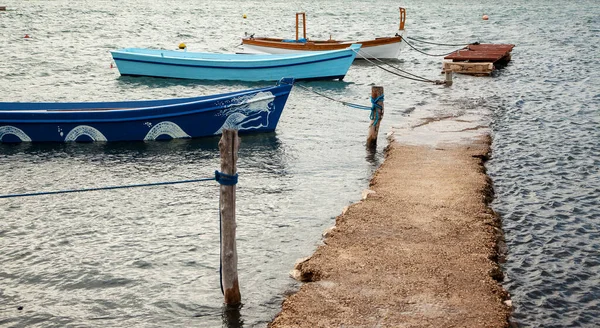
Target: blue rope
[(357, 106), (374, 105), (374, 114), (102, 188), (330, 98), (222, 178)]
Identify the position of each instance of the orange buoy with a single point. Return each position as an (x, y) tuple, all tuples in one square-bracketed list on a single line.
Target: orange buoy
[(485, 17), (27, 36)]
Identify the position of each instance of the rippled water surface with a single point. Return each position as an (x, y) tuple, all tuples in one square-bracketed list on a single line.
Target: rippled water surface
[(149, 256)]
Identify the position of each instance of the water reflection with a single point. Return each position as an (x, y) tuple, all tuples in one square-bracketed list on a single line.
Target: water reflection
[(263, 148), (324, 88), (48, 151), (373, 157), (134, 82), (263, 153), (231, 316)]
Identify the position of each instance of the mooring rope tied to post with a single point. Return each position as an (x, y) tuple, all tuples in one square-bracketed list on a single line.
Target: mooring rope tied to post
[(414, 78), (423, 52), (374, 113), (345, 103), (225, 180), (228, 147), (373, 108), (442, 44), (222, 178)]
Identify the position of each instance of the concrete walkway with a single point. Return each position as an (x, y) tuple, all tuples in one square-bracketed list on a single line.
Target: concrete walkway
[(421, 251)]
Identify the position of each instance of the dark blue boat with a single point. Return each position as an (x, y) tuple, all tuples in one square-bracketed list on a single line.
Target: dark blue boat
[(255, 110)]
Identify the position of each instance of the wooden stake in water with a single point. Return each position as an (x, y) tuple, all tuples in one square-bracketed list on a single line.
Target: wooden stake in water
[(377, 117), (228, 147), (448, 78)]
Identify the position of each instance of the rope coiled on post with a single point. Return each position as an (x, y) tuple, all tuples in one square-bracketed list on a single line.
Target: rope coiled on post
[(226, 179), (345, 103), (374, 105), (374, 113)]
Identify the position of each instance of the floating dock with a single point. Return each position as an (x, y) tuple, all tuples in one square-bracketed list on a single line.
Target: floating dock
[(478, 59)]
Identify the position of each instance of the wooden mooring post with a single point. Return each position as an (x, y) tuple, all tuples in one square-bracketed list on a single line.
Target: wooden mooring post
[(228, 147), (448, 78), (377, 113)]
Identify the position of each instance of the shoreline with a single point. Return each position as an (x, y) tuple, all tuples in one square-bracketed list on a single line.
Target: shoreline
[(420, 250)]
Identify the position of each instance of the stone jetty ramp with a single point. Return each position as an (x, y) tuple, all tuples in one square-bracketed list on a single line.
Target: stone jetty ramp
[(419, 251)]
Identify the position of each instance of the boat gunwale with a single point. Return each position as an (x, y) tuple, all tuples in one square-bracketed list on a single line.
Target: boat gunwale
[(236, 58), (150, 61), (319, 45), (174, 101), (277, 91)]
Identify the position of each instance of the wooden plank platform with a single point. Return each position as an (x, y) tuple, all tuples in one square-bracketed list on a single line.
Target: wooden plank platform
[(482, 53), (492, 47), (477, 59), (478, 68), (2, 8)]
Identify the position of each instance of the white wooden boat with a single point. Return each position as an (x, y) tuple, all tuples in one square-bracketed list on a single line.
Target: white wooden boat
[(383, 48)]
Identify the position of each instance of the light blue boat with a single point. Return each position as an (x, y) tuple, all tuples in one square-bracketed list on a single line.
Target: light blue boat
[(243, 67)]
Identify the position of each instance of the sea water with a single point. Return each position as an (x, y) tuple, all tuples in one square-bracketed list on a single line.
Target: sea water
[(149, 257)]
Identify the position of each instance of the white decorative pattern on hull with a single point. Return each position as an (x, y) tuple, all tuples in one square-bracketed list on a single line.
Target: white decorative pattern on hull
[(248, 112), (4, 130), (85, 130), (166, 128)]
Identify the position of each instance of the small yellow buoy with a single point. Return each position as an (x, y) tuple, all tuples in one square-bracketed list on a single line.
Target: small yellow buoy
[(485, 17), (182, 45), (244, 16)]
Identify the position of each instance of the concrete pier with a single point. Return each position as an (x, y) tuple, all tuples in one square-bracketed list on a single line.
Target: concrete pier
[(420, 250)]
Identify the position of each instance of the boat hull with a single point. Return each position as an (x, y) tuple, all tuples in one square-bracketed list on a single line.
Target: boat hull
[(381, 48), (241, 67), (378, 48), (248, 111)]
